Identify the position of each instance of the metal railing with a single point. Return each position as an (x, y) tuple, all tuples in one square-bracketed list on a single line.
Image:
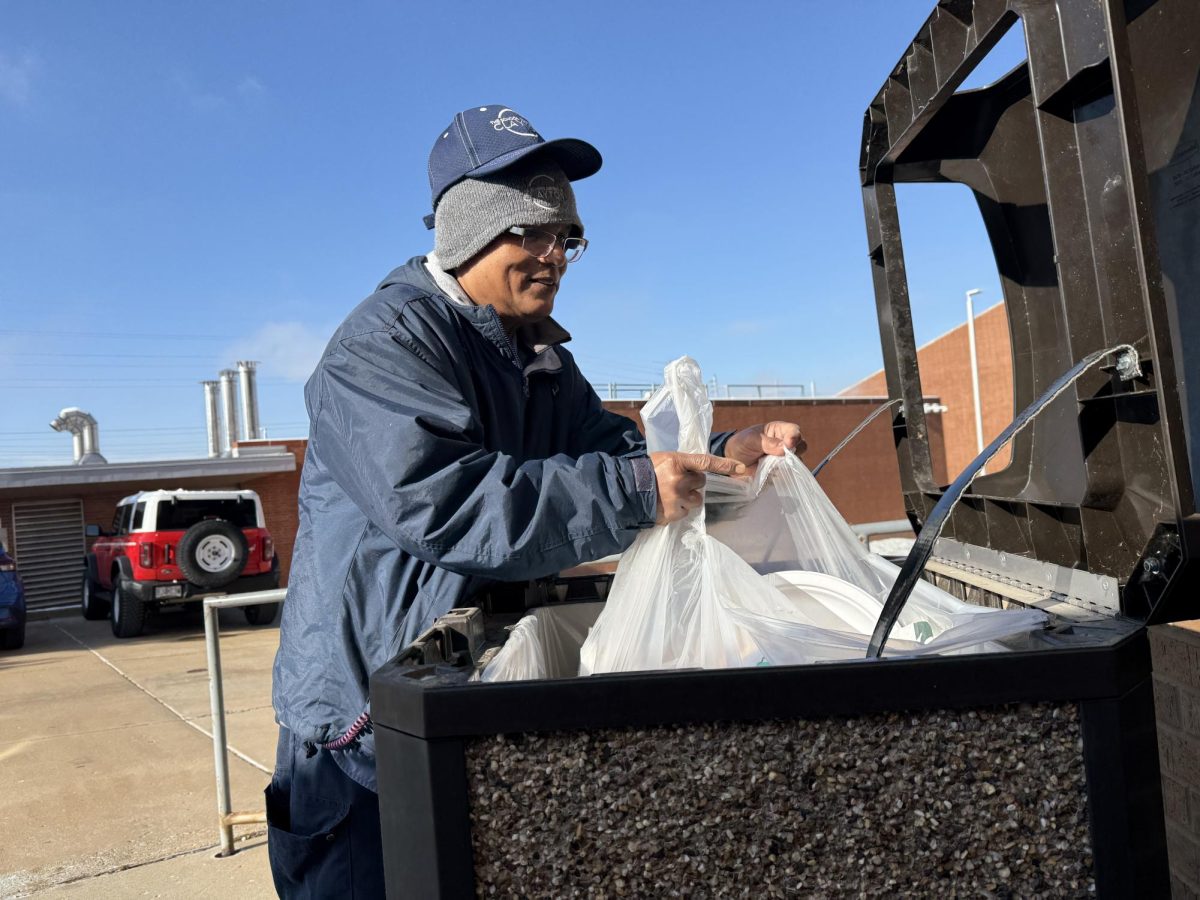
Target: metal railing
[(764, 391), (226, 817), (868, 530)]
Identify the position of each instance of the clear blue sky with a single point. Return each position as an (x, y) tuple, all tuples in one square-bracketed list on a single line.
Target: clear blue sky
[(186, 184)]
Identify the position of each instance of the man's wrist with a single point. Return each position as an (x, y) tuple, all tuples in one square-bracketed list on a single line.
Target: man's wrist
[(646, 486), (717, 441)]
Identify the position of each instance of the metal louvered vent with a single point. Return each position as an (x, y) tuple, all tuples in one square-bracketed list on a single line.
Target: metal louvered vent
[(48, 544)]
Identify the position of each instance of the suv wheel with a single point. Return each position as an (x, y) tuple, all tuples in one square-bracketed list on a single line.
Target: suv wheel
[(13, 638), (212, 553), (128, 612), (92, 606), (261, 614)]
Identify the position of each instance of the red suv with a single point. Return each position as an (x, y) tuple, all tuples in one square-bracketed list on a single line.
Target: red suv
[(168, 547)]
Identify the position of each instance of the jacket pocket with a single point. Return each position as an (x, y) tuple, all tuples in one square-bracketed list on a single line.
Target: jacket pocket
[(308, 842), (419, 617)]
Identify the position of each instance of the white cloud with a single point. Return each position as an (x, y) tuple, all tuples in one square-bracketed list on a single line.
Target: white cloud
[(16, 72), (206, 102), (251, 88), (283, 349), (207, 99)]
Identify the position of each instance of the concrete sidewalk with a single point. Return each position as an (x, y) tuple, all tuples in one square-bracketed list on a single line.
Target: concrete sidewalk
[(106, 780)]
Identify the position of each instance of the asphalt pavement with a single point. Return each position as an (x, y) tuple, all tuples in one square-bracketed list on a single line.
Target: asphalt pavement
[(107, 785)]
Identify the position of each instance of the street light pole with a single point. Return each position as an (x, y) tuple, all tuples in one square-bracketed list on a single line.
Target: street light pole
[(975, 370)]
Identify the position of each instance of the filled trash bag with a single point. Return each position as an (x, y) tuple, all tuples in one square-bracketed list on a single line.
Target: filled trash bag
[(543, 644), (767, 573)]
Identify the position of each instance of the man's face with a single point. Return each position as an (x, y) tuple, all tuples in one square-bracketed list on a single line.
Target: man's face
[(520, 287)]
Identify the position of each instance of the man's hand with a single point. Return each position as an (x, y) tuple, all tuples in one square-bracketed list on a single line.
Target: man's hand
[(680, 479), (750, 445)]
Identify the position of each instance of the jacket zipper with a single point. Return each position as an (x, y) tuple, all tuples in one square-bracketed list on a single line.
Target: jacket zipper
[(515, 354)]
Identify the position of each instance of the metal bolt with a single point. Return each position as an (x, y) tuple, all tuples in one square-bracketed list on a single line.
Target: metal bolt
[(1128, 366), (1152, 566)]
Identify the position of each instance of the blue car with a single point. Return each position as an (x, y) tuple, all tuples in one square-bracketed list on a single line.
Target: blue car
[(12, 604)]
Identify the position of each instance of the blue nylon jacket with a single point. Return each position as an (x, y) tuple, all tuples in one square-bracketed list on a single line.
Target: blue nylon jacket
[(439, 462)]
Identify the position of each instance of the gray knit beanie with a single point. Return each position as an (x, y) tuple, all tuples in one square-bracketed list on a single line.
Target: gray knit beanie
[(474, 211)]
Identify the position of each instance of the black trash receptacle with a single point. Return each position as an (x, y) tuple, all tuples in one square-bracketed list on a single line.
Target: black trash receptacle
[(1013, 774), (1032, 771)]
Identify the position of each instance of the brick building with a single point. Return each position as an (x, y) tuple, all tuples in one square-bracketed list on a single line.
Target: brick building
[(43, 510), (945, 366), (863, 481)]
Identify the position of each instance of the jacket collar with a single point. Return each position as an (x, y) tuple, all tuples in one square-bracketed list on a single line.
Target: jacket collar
[(540, 337)]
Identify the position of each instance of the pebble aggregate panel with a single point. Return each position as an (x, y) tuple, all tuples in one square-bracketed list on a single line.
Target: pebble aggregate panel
[(945, 803)]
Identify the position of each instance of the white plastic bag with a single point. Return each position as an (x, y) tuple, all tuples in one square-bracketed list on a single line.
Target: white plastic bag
[(775, 578), (543, 644)]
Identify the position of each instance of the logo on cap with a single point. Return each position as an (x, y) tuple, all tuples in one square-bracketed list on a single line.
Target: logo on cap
[(509, 121), (543, 191)]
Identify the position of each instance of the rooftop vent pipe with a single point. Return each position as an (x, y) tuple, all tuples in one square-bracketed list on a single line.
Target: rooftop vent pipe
[(229, 411), (249, 392), (85, 435), (212, 418)]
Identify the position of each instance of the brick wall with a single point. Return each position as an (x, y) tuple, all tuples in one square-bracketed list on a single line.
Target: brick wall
[(279, 493), (863, 480), (1176, 655), (945, 365)]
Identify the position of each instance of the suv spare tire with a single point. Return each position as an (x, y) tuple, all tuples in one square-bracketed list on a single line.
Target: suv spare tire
[(212, 553)]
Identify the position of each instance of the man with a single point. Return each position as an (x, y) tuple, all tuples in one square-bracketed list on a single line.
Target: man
[(453, 443)]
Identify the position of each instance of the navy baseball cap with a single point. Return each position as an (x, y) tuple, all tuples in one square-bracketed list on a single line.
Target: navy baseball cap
[(486, 139)]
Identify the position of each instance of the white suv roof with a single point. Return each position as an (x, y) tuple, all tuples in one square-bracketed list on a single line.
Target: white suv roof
[(181, 494)]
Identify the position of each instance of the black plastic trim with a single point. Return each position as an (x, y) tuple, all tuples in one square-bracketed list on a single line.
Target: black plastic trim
[(1125, 804), (144, 590), (426, 824), (436, 708)]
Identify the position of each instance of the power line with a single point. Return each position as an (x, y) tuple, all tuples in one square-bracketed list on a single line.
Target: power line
[(153, 429), (108, 431), (35, 384), (154, 336), (4, 380), (70, 353), (63, 441), (47, 437), (195, 440), (100, 366)]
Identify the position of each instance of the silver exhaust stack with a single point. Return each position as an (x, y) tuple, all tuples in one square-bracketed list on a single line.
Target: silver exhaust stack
[(249, 392), (229, 411), (85, 435), (212, 418)]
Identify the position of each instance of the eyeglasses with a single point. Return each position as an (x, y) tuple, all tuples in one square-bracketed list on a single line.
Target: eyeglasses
[(541, 244)]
